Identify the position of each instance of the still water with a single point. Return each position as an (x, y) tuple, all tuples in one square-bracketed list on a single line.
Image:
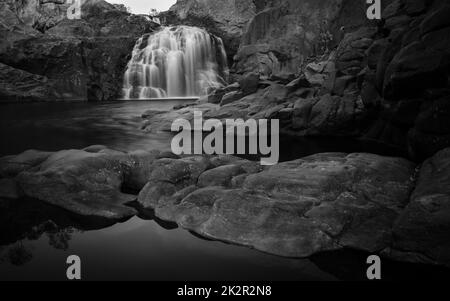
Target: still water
[(36, 239)]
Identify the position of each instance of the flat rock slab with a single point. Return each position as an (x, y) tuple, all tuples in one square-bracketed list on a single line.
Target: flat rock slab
[(86, 182), (295, 209)]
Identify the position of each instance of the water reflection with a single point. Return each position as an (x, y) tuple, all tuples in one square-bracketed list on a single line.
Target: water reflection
[(57, 126), (35, 240)]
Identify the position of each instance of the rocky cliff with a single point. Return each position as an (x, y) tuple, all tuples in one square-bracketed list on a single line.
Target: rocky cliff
[(71, 59), (284, 33)]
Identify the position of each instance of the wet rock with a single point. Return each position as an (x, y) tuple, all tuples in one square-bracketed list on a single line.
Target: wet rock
[(139, 168), (85, 183), (421, 231), (11, 166), (297, 208)]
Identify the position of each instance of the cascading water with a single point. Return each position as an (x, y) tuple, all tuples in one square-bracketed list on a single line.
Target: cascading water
[(178, 61)]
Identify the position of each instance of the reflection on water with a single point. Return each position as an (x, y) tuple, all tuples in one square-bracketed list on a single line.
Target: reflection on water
[(32, 247), (57, 126)]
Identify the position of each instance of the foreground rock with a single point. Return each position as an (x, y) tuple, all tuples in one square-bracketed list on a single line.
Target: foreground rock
[(299, 208), (422, 231), (86, 182), (323, 202)]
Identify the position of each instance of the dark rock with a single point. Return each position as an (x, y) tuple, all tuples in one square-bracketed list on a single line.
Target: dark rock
[(87, 184), (249, 83), (300, 82), (283, 78), (341, 83), (231, 97), (281, 36), (19, 85), (375, 51), (415, 68), (431, 130), (422, 229), (436, 20), (328, 115), (11, 166)]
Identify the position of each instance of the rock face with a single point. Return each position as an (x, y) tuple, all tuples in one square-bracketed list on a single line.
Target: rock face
[(78, 59), (226, 19), (422, 230), (39, 14), (408, 72), (284, 33), (19, 85)]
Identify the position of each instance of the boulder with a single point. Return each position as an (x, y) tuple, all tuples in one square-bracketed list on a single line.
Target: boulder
[(88, 184), (296, 209), (328, 115), (249, 83), (11, 166), (421, 231), (231, 97)]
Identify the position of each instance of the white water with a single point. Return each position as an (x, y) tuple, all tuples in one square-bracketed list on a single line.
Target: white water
[(175, 62)]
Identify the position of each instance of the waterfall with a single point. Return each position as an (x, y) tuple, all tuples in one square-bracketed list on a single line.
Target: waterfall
[(179, 61)]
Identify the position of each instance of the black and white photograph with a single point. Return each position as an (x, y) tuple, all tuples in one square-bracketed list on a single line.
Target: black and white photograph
[(236, 144)]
